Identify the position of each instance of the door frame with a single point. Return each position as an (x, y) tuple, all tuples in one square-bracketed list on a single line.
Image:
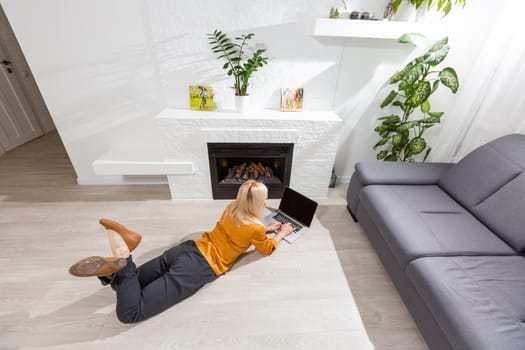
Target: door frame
[(22, 71)]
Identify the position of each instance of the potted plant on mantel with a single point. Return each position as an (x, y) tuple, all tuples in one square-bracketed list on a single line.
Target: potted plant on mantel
[(401, 135), (237, 64), (444, 6)]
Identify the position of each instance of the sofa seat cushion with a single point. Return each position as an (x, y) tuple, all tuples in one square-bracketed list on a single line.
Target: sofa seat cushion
[(416, 221), (478, 302)]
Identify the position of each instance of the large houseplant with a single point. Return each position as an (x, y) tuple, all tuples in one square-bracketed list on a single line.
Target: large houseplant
[(238, 64), (401, 131), (444, 6)]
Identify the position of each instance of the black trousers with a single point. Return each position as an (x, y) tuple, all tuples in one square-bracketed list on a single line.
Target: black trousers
[(160, 283)]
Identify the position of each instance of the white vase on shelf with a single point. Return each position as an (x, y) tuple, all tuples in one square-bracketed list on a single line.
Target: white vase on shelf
[(242, 103), (405, 13)]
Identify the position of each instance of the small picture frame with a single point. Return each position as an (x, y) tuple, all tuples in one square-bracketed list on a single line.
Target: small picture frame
[(291, 99), (201, 98)]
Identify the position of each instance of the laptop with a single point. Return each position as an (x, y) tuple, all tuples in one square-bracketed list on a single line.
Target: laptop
[(295, 209)]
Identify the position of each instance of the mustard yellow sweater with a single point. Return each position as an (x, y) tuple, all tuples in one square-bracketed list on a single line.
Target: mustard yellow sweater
[(227, 241)]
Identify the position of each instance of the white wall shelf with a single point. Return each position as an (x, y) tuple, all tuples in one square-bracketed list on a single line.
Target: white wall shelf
[(374, 29)]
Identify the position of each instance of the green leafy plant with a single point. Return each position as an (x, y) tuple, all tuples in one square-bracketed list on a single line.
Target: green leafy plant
[(401, 136), (444, 6), (237, 64)]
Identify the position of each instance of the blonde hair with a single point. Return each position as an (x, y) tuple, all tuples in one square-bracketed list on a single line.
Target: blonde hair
[(249, 205)]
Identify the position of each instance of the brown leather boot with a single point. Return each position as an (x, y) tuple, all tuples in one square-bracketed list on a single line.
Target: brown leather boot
[(97, 266), (131, 238)]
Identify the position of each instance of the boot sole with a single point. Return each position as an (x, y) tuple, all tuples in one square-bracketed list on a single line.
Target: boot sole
[(97, 266)]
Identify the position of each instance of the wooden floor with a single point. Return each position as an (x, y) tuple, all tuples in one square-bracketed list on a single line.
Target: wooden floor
[(38, 190)]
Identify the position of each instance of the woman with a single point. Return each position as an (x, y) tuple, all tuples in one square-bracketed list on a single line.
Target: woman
[(180, 271)]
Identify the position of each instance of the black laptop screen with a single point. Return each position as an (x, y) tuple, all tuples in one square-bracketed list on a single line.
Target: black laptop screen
[(298, 206)]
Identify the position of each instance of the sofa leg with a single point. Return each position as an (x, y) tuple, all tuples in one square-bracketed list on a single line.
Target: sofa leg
[(352, 214)]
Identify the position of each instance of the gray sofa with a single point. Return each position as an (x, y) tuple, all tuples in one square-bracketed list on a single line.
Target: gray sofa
[(452, 238)]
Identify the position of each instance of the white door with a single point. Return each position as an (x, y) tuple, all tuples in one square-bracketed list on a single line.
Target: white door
[(18, 124)]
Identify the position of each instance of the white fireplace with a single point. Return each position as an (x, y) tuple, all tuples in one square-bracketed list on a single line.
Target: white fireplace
[(186, 133)]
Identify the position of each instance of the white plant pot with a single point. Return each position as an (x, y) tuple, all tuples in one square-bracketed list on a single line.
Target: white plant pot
[(406, 13), (242, 103)]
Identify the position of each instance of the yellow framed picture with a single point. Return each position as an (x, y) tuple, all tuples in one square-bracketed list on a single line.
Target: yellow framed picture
[(201, 97), (291, 99)]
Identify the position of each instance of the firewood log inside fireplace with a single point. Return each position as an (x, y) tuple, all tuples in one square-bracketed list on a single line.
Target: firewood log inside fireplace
[(257, 171)]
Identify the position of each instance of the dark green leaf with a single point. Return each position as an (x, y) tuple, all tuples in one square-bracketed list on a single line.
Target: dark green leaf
[(405, 126), (226, 65), (399, 75), (391, 96), (397, 104), (381, 155), (427, 153), (415, 146), (390, 119), (414, 73), (391, 158), (383, 127), (449, 78), (430, 120), (436, 114), (382, 141), (420, 95), (399, 140)]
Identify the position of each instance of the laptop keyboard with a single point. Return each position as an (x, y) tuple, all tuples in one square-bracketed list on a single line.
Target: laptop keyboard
[(284, 220)]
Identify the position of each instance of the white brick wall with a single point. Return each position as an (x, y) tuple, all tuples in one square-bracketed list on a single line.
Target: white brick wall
[(315, 136)]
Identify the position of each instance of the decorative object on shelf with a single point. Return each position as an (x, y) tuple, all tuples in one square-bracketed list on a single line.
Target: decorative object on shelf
[(291, 100), (242, 103), (366, 15), (334, 13), (389, 10), (402, 137), (355, 15), (237, 64), (444, 6), (201, 97), (345, 14)]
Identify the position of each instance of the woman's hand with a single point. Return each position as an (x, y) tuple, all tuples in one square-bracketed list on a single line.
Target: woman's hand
[(285, 230), (273, 226)]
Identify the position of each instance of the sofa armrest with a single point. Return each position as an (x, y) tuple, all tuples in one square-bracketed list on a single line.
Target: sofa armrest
[(399, 173)]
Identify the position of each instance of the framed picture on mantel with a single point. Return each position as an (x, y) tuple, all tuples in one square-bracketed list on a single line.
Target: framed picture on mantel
[(291, 99), (201, 98)]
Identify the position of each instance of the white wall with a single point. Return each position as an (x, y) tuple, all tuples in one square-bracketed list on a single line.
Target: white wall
[(106, 67), (95, 67)]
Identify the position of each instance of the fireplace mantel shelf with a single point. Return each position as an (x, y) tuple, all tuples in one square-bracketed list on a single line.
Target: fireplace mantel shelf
[(321, 115)]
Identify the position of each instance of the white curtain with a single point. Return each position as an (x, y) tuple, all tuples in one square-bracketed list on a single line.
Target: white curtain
[(491, 100)]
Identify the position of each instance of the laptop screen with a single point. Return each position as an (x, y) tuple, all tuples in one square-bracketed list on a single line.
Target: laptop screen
[(298, 206)]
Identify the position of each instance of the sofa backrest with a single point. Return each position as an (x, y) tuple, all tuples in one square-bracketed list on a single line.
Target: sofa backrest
[(490, 182)]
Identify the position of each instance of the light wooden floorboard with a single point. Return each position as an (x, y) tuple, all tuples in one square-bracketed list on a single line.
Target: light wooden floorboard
[(48, 222)]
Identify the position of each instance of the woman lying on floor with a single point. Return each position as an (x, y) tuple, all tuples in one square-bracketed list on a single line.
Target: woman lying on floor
[(180, 271)]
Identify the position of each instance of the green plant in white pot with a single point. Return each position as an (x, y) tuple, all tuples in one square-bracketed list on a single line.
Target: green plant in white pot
[(238, 64), (410, 112), (444, 6)]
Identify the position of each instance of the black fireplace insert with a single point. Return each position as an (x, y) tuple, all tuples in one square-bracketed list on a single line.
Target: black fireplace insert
[(231, 164)]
